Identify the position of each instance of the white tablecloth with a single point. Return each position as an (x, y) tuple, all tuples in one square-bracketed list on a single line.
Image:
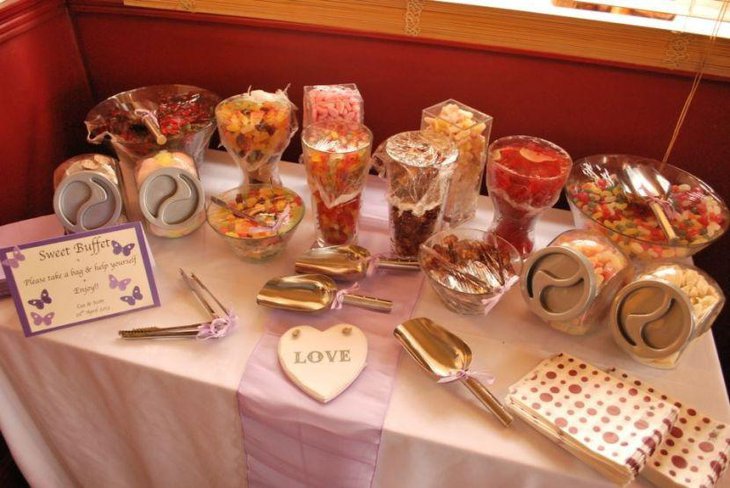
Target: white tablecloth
[(81, 407)]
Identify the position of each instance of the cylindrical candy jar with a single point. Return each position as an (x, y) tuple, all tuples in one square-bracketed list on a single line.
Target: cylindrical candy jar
[(663, 310), (469, 129), (419, 166), (141, 122), (337, 159), (524, 178), (570, 283), (170, 194), (256, 127), (87, 193), (324, 103)]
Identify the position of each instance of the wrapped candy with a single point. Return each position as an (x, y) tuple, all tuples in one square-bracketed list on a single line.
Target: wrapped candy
[(337, 159), (469, 129), (324, 103), (571, 282), (256, 127), (419, 167)]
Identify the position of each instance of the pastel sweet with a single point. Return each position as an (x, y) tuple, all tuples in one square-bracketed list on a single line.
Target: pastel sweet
[(469, 129), (696, 216), (324, 103)]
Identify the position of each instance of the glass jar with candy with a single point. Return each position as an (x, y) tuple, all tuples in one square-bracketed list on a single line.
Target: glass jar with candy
[(524, 178), (419, 166), (336, 155)]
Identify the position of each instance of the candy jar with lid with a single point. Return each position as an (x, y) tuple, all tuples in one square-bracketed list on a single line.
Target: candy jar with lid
[(171, 195), (418, 166), (87, 193), (469, 129), (524, 178), (571, 282), (663, 310), (256, 127), (336, 155)]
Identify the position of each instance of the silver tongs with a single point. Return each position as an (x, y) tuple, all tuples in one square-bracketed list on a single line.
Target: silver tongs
[(191, 330)]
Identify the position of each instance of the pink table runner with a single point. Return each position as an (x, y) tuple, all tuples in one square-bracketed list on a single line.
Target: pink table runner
[(291, 439)]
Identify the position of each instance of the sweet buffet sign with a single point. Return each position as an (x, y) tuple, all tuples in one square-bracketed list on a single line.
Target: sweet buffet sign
[(73, 279)]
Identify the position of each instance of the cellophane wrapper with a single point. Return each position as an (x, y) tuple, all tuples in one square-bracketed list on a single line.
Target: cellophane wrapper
[(469, 129), (419, 166), (256, 127), (185, 114), (336, 155)]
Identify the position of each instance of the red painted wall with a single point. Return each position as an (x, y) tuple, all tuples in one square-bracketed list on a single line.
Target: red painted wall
[(44, 93)]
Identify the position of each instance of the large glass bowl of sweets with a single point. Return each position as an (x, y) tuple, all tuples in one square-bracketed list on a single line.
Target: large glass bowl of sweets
[(257, 221), (469, 269), (597, 199)]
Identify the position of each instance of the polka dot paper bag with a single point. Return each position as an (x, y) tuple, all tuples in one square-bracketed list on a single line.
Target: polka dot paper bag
[(605, 421), (694, 454)]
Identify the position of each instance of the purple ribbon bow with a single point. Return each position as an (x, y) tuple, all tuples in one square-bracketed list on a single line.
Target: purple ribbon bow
[(465, 373), (219, 327), (340, 296), (490, 302)]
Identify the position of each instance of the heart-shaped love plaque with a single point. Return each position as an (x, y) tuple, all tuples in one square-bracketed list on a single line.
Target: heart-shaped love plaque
[(323, 363)]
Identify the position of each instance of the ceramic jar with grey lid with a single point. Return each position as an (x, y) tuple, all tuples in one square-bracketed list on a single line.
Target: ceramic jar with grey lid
[(663, 310), (571, 282), (87, 194), (171, 195)]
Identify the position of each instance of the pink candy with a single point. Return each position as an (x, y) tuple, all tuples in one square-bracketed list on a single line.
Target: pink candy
[(332, 102)]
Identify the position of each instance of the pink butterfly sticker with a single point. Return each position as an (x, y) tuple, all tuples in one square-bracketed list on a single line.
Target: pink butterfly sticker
[(14, 261), (121, 284), (42, 319)]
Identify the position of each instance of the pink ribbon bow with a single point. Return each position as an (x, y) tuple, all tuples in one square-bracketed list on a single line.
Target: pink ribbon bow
[(219, 327), (490, 302), (465, 373), (340, 296)]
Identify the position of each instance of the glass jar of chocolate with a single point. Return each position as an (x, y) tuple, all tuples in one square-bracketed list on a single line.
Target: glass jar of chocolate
[(418, 166)]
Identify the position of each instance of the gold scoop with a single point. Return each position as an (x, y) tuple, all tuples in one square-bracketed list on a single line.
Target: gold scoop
[(444, 355), (311, 293), (347, 262), (644, 184)]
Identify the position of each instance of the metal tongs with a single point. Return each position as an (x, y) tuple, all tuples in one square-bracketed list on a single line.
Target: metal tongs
[(191, 330)]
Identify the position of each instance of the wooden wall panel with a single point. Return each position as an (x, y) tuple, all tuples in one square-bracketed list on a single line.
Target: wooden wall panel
[(44, 93)]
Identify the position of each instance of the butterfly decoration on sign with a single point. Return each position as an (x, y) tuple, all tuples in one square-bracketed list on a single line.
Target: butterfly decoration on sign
[(121, 284), (41, 302), (133, 298), (14, 261), (120, 249), (42, 319)]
